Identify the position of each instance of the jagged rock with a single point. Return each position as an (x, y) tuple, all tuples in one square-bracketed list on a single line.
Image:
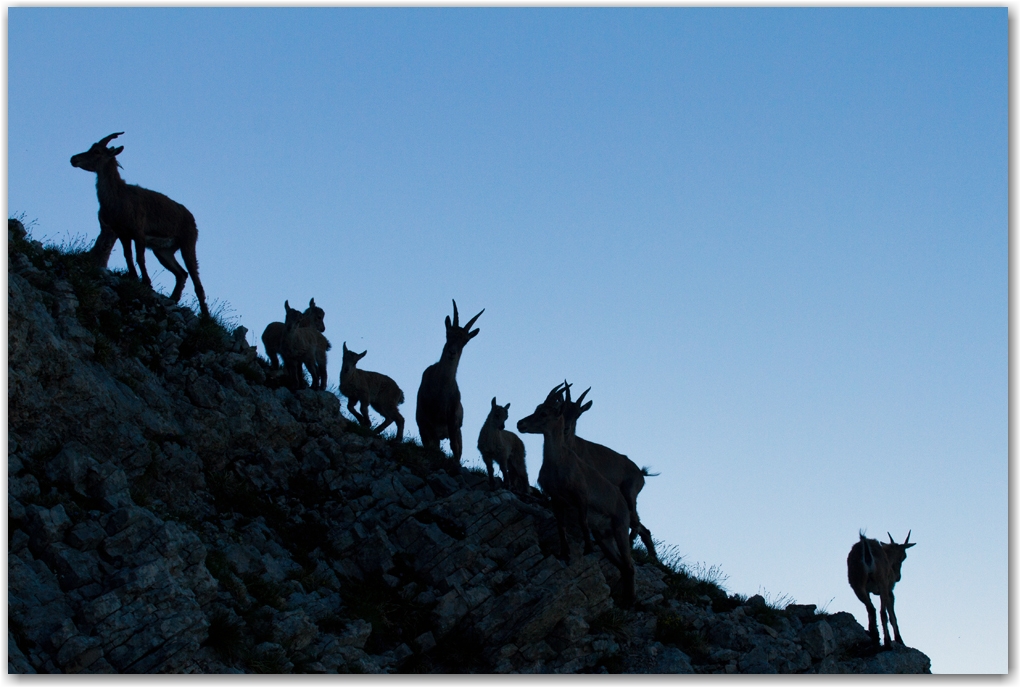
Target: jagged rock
[(170, 512)]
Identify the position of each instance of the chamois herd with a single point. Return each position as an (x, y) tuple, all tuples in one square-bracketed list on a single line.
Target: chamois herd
[(579, 477)]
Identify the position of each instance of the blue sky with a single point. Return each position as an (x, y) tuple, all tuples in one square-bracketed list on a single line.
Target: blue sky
[(772, 241)]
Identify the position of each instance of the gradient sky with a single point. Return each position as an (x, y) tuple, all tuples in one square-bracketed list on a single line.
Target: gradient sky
[(772, 241)]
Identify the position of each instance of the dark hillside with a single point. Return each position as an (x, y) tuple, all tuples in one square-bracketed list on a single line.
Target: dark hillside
[(172, 509)]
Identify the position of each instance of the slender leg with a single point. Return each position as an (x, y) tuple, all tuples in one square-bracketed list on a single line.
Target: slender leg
[(128, 258), (166, 258), (140, 256)]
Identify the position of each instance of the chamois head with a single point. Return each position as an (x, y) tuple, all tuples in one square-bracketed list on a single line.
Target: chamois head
[(457, 336), (314, 317), (498, 414), (98, 156), (545, 412), (896, 554), (350, 359)]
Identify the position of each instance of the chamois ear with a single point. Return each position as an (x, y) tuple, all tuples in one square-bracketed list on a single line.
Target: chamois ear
[(494, 404), (906, 542), (472, 334), (506, 407), (345, 347), (286, 306), (586, 406), (362, 355), (311, 303), (448, 325)]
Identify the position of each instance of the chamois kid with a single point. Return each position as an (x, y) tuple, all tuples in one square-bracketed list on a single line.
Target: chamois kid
[(499, 445), (303, 345), (370, 389), (272, 337)]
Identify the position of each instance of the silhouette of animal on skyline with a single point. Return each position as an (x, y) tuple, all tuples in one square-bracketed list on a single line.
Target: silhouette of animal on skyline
[(147, 218)]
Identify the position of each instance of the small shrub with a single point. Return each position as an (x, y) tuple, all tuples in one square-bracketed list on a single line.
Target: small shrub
[(226, 635), (612, 621)]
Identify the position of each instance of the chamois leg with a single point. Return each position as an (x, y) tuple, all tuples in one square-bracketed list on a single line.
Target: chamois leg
[(646, 539), (892, 619), (488, 468), (390, 416), (128, 258), (320, 363), (166, 258), (191, 262), (399, 419), (352, 409), (140, 257), (104, 244), (364, 413), (872, 622), (456, 443)]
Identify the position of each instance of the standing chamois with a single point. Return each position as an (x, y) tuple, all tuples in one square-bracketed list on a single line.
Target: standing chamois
[(505, 448), (150, 219), (439, 413), (304, 345), (873, 567), (272, 337), (615, 467), (570, 482), (370, 389)]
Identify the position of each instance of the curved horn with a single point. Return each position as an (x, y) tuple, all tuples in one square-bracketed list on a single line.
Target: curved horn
[(109, 138), (472, 320), (891, 540), (555, 393), (567, 388), (905, 541), (579, 400), (456, 317)]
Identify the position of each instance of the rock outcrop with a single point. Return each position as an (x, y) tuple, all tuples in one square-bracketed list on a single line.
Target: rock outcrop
[(173, 508)]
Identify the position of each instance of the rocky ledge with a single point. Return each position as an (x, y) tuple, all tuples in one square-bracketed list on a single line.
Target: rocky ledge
[(172, 508)]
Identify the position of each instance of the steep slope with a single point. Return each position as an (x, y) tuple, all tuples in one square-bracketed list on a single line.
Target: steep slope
[(172, 509)]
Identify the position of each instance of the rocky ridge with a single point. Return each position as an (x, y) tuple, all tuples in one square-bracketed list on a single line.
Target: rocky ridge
[(172, 508)]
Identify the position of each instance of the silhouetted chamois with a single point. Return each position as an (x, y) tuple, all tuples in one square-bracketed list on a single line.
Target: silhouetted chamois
[(505, 448), (873, 567), (439, 413), (370, 389), (150, 219), (571, 482), (615, 467), (304, 346), (272, 337)]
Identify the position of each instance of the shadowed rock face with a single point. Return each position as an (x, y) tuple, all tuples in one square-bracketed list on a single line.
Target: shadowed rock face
[(173, 509)]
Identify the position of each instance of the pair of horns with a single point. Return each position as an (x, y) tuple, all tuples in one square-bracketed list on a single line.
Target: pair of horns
[(579, 400), (456, 317), (906, 542)]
